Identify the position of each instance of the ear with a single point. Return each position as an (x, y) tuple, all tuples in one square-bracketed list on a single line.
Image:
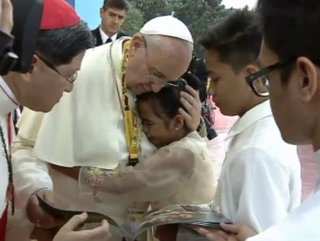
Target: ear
[(177, 123), (137, 43), (250, 69), (34, 63), (307, 81)]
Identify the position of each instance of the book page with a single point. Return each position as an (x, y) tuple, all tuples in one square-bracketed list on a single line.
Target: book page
[(201, 215)]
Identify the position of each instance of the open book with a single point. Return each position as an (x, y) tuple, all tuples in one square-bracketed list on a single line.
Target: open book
[(175, 214)]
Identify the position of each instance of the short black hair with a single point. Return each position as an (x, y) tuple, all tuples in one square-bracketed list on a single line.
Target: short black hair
[(291, 29), (60, 46), (167, 100), (117, 4), (237, 39)]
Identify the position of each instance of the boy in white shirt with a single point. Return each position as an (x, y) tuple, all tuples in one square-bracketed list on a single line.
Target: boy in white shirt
[(260, 180), (289, 57)]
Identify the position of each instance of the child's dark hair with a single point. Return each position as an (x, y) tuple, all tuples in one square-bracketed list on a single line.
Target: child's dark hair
[(167, 100)]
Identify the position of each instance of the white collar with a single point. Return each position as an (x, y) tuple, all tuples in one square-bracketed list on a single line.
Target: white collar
[(7, 98), (104, 36), (253, 115)]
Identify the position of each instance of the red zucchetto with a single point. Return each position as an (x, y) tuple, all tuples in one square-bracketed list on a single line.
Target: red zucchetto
[(58, 14)]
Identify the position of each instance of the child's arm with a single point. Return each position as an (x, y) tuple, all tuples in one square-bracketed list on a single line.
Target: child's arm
[(155, 179)]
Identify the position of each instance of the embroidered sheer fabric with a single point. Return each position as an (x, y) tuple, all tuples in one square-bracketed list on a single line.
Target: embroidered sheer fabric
[(179, 173)]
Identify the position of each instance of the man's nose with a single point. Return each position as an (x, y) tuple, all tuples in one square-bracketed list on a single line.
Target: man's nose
[(156, 87)]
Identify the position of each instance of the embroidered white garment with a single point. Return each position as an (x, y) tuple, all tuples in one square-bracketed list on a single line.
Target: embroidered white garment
[(180, 173), (260, 180), (300, 225)]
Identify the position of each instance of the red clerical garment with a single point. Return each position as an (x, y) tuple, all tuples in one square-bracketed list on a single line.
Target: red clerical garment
[(3, 224)]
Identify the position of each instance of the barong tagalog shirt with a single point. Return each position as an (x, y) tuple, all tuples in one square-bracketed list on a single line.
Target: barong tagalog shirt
[(260, 182), (179, 173), (300, 224)]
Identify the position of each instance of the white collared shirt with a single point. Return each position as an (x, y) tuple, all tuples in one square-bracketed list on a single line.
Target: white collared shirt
[(300, 225), (260, 180), (104, 36), (8, 103)]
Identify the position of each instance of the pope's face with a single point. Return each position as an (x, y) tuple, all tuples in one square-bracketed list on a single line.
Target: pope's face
[(150, 67)]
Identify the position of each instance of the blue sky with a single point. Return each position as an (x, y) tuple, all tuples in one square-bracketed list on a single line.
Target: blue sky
[(89, 11)]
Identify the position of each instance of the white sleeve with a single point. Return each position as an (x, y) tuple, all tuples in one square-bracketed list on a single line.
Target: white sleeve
[(261, 192), (30, 173)]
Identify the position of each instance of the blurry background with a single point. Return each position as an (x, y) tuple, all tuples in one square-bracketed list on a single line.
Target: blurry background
[(197, 14)]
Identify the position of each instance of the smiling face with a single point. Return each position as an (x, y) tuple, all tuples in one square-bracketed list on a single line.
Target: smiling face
[(159, 129)]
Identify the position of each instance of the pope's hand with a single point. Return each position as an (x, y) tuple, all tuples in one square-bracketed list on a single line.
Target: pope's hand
[(70, 231), (37, 215), (6, 19), (191, 102)]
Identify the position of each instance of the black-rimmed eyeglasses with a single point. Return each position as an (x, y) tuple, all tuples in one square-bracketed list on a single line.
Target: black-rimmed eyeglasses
[(70, 79), (259, 81)]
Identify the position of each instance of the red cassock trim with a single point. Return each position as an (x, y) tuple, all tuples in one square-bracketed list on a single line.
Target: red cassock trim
[(3, 224)]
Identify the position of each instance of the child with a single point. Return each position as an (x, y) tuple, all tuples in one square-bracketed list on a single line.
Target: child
[(180, 172)]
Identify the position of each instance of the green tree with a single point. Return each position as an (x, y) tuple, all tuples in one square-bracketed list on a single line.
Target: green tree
[(198, 15), (134, 21)]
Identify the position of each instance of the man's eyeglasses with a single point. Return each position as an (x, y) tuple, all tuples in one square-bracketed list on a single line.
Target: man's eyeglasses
[(180, 84), (259, 81), (156, 78), (70, 79)]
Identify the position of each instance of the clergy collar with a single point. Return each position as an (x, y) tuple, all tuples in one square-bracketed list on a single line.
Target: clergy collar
[(253, 115), (8, 101), (104, 36)]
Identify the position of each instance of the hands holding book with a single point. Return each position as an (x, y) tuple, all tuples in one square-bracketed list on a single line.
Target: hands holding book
[(70, 231), (228, 232)]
